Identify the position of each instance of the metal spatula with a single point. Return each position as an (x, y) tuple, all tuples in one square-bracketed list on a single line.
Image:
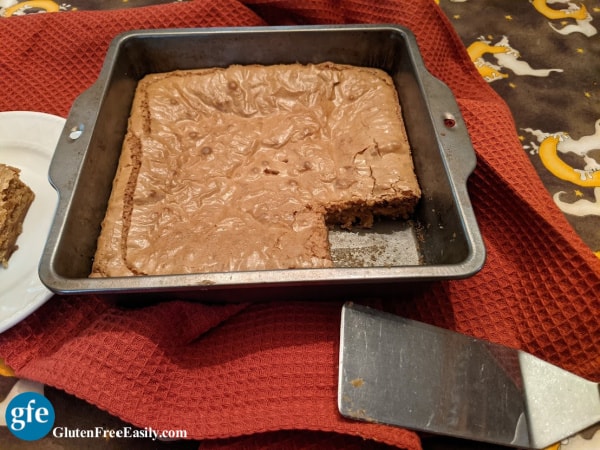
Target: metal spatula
[(405, 373)]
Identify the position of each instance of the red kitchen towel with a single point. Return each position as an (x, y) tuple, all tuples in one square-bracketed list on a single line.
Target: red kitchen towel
[(226, 371)]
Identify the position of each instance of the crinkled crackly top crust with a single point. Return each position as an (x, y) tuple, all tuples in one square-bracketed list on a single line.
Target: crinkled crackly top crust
[(242, 168)]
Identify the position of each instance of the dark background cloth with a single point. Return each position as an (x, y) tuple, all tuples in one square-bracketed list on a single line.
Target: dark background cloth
[(567, 101)]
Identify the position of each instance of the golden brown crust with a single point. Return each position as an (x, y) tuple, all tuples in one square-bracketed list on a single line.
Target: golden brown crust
[(15, 199), (242, 168)]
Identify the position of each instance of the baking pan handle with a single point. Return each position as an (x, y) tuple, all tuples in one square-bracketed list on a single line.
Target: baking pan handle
[(73, 142), (451, 128), (459, 156), (63, 174)]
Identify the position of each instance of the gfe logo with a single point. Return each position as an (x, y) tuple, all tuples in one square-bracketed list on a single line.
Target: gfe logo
[(30, 416)]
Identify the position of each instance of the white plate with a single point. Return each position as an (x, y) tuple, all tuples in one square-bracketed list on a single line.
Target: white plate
[(27, 141)]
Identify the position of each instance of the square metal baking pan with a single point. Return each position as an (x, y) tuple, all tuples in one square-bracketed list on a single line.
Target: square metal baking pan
[(441, 241)]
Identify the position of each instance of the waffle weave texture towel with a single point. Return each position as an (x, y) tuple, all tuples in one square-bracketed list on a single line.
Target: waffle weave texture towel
[(229, 374)]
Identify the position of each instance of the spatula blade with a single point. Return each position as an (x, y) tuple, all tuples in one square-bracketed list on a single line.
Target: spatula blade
[(406, 373)]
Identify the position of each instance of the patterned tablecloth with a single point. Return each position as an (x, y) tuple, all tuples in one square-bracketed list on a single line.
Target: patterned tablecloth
[(541, 57)]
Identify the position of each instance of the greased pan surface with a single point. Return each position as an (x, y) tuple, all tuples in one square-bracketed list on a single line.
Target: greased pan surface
[(441, 242)]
